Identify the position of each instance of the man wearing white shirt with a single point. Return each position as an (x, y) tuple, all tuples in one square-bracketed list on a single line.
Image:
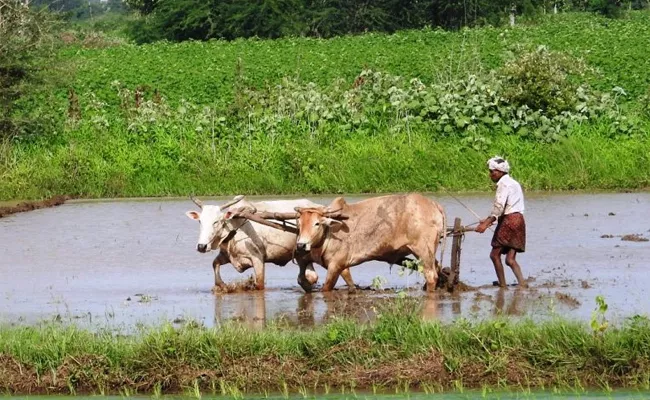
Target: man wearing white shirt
[(508, 210)]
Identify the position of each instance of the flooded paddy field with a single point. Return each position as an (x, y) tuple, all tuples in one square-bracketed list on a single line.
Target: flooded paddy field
[(123, 263)]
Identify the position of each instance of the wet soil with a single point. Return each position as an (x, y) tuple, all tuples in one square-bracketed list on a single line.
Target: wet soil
[(630, 237), (634, 238), (6, 210), (90, 374), (566, 298), (120, 263)]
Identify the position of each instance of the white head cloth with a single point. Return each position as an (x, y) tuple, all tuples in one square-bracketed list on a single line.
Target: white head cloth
[(499, 163)]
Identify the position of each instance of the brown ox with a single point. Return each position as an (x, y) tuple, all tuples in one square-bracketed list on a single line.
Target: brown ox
[(386, 228)]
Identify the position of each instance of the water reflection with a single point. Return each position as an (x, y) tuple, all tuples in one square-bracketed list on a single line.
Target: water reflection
[(513, 307), (247, 308), (257, 309)]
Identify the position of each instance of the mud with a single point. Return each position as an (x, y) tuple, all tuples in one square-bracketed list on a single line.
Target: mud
[(630, 237), (567, 299), (86, 262), (634, 238), (244, 285), (31, 205), (403, 375)]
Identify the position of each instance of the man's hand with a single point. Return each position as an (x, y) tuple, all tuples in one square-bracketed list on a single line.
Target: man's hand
[(484, 224)]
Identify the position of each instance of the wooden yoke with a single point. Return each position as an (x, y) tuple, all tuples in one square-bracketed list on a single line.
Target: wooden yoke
[(262, 217)]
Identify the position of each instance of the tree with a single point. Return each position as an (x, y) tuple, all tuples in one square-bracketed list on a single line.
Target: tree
[(608, 8), (144, 7), (264, 18)]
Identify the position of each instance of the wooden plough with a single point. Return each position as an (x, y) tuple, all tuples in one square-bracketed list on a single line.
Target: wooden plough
[(449, 276), (457, 232)]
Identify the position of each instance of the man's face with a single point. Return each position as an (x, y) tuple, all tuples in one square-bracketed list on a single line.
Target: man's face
[(495, 175)]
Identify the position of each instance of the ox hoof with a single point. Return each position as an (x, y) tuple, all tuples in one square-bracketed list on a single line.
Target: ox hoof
[(305, 285), (219, 288), (425, 288), (307, 288)]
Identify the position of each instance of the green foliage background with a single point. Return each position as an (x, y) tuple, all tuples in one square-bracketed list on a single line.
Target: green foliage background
[(414, 110)]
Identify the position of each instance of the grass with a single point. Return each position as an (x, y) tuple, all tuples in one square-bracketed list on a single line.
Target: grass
[(118, 166), (397, 351)]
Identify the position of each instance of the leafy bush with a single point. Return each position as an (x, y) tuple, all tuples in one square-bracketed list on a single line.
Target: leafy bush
[(540, 80), (645, 103), (470, 108)]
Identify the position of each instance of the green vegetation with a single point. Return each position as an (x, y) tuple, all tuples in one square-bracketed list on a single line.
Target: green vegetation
[(179, 20), (396, 351), (566, 100), (26, 40)]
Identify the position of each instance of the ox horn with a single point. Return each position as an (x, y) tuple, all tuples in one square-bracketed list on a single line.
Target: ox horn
[(335, 214), (235, 200), (196, 201), (330, 213), (313, 209)]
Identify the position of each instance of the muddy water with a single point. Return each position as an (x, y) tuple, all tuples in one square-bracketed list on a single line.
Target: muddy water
[(126, 262)]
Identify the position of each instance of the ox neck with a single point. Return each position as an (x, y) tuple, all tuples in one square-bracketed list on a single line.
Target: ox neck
[(228, 237), (322, 244), (233, 232)]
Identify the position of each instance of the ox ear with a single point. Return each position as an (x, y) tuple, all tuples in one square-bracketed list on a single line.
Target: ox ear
[(193, 215), (230, 213), (334, 224)]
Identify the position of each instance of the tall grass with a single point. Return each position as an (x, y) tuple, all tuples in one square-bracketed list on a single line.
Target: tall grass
[(111, 166), (396, 350)]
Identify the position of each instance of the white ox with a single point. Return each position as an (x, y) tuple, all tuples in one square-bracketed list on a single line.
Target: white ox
[(246, 244)]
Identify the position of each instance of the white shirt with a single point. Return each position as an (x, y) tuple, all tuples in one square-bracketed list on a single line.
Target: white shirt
[(509, 198)]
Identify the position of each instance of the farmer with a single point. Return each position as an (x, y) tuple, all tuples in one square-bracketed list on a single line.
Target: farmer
[(510, 234)]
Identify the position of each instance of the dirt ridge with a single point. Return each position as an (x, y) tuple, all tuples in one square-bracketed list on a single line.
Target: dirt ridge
[(33, 205)]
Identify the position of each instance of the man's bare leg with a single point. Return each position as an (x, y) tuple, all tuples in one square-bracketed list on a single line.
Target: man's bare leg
[(495, 256), (514, 265)]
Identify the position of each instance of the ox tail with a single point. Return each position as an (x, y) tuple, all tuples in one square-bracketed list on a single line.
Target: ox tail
[(443, 233)]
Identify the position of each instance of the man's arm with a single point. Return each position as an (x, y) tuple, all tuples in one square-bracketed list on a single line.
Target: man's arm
[(497, 209)]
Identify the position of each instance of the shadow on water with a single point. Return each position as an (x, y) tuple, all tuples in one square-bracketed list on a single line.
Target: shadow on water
[(127, 262)]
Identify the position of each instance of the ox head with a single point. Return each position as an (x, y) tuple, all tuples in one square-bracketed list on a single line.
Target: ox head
[(313, 225), (214, 223)]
